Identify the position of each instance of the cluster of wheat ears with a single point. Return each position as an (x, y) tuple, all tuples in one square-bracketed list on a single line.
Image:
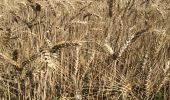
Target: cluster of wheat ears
[(85, 50)]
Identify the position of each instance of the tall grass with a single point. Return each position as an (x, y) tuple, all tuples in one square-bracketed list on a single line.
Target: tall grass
[(84, 50)]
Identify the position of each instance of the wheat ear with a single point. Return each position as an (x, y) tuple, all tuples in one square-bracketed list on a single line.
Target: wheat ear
[(65, 44), (9, 60), (132, 39)]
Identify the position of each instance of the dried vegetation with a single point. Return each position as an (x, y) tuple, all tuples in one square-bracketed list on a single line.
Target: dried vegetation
[(85, 50)]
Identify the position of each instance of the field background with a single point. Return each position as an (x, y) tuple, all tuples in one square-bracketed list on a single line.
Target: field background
[(85, 49)]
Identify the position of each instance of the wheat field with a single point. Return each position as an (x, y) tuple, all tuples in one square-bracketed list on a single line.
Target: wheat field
[(84, 50)]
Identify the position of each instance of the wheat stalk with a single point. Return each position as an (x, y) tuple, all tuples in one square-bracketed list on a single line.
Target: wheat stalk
[(163, 82)]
